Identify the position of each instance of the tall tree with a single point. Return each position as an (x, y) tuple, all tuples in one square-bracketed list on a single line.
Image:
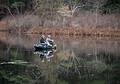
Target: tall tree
[(112, 6)]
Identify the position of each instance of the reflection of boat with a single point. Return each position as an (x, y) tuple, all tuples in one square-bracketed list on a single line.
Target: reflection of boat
[(45, 50), (44, 46), (45, 54)]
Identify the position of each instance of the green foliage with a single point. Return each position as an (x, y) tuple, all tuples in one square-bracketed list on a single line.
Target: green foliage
[(112, 6), (9, 3), (21, 74), (115, 72), (103, 6), (61, 82), (17, 4), (13, 76)]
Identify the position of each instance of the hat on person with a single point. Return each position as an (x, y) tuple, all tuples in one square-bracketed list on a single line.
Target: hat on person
[(43, 36), (49, 36)]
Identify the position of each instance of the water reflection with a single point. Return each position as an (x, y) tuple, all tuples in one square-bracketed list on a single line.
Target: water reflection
[(45, 54), (83, 61)]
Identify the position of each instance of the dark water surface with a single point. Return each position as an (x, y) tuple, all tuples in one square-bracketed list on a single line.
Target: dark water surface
[(75, 61)]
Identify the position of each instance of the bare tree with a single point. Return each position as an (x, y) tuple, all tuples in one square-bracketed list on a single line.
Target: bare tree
[(97, 4), (46, 9)]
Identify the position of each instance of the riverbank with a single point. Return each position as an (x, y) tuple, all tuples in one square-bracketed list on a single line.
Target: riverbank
[(98, 32), (66, 31)]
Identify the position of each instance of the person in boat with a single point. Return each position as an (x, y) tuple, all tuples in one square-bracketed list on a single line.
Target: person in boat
[(43, 40), (49, 41)]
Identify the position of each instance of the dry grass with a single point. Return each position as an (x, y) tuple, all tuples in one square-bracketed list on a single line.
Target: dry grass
[(3, 25), (83, 25), (84, 20), (104, 32)]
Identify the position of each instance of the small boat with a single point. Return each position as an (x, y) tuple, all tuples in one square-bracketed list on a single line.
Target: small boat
[(44, 46)]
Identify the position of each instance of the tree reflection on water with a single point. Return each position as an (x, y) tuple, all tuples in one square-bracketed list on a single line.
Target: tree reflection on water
[(84, 70), (19, 65)]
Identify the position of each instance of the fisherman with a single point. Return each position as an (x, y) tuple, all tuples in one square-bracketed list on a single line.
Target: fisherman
[(43, 40), (49, 40)]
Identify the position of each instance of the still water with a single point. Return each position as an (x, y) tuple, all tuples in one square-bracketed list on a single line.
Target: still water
[(77, 60)]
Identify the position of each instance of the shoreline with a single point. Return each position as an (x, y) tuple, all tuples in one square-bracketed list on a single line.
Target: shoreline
[(85, 32)]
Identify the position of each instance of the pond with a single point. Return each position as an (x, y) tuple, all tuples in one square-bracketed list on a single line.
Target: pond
[(77, 60)]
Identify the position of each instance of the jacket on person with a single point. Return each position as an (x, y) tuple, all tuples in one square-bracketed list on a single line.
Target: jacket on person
[(42, 40), (49, 41)]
